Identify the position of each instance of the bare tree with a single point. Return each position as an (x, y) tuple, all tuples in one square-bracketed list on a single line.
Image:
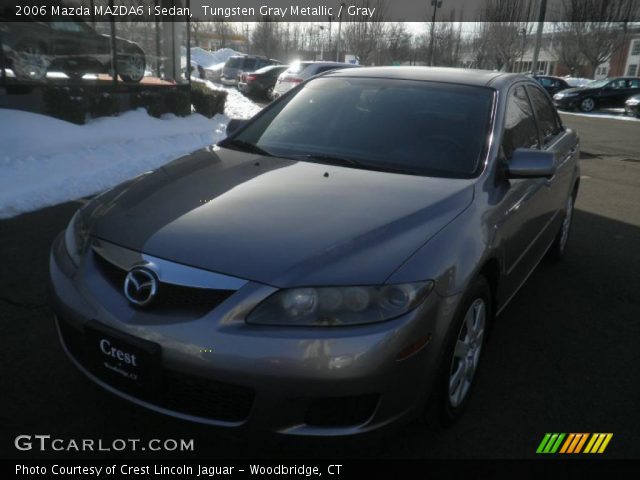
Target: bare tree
[(598, 26), (396, 46), (363, 33), (504, 24), (265, 37), (567, 48)]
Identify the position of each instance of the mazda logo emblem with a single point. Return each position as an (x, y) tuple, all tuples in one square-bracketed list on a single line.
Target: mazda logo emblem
[(140, 286)]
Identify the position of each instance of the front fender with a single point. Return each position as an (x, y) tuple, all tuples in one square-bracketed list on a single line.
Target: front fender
[(453, 256)]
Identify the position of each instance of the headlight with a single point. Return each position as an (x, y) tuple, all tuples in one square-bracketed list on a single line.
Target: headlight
[(76, 237), (339, 306), (633, 101), (561, 95)]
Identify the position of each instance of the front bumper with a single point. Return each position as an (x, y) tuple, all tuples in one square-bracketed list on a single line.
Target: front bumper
[(218, 370), (567, 103), (632, 109)]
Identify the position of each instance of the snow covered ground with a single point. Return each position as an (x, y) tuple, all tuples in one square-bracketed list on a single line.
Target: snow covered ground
[(615, 113), (237, 105), (45, 161)]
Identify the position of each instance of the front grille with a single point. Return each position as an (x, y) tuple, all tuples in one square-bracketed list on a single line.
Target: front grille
[(180, 392), (341, 411), (169, 296)]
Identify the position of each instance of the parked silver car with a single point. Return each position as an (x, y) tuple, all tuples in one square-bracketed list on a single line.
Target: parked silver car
[(334, 266), (301, 71)]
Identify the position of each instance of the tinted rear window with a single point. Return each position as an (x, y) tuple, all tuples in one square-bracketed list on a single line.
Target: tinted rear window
[(234, 62), (409, 126), (249, 64)]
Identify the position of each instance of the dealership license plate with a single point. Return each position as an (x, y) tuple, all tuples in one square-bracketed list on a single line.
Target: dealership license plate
[(125, 361)]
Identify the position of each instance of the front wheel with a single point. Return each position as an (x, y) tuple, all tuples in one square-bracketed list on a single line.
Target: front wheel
[(463, 353), (30, 63), (131, 67), (587, 105), (269, 93)]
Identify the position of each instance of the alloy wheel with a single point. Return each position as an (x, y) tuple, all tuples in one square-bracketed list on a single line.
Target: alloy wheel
[(30, 64), (466, 355), (587, 105)]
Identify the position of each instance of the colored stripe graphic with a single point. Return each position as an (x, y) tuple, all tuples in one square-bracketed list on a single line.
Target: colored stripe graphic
[(574, 442), (598, 442), (550, 443)]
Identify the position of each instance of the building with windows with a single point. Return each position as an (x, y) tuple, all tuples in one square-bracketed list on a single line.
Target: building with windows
[(624, 62)]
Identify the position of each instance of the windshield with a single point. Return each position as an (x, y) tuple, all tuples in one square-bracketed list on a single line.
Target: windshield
[(405, 126), (597, 83)]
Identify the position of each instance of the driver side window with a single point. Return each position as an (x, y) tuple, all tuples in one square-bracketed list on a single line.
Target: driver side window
[(519, 127)]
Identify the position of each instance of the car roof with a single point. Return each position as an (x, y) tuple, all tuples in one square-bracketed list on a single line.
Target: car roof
[(549, 76), (323, 63), (461, 76)]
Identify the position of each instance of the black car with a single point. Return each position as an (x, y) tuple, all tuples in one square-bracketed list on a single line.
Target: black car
[(607, 93), (236, 65), (33, 48), (632, 106), (262, 81), (551, 84)]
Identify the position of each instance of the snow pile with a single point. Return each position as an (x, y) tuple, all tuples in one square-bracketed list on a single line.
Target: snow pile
[(207, 59), (237, 105), (577, 82), (45, 161)]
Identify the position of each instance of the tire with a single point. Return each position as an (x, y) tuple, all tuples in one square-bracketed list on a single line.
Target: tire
[(30, 63), (462, 356), (269, 93), (131, 68), (587, 105), (558, 248)]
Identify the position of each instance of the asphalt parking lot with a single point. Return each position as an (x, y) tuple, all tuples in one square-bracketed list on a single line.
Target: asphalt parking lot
[(563, 357)]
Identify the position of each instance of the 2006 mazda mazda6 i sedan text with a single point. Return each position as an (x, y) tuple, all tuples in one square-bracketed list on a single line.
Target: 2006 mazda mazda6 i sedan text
[(334, 265)]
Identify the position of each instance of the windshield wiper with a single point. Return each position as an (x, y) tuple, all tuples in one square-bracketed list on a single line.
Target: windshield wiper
[(245, 147)]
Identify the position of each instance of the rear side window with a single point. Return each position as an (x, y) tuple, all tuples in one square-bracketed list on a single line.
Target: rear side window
[(519, 127), (327, 68), (298, 67), (547, 118), (249, 64)]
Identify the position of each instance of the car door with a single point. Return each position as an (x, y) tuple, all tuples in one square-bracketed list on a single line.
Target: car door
[(612, 94), (563, 143), (524, 203)]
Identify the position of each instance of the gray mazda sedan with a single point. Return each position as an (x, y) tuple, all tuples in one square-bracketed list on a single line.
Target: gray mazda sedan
[(334, 265)]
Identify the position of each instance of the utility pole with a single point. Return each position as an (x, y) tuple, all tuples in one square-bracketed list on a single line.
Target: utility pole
[(436, 5), (330, 38), (524, 44), (536, 50), (321, 41), (339, 31)]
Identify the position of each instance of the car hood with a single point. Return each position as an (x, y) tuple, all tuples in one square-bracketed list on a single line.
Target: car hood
[(278, 221)]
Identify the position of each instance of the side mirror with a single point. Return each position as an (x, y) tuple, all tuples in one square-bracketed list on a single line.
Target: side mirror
[(234, 125), (531, 163)]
